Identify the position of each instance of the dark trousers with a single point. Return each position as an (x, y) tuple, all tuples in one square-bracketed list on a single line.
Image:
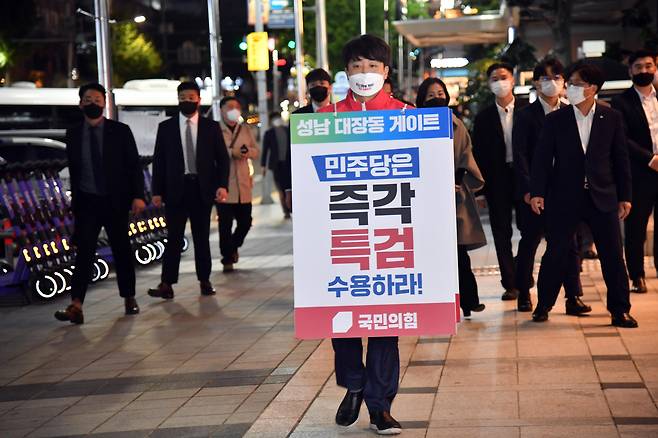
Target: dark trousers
[(532, 231), (198, 211), (607, 237), (378, 378), (645, 200), (277, 175), (501, 204), (230, 241), (468, 287), (91, 213)]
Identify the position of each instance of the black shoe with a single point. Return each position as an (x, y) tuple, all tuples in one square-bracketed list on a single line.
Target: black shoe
[(590, 254), (576, 307), (541, 313), (624, 320), (639, 286), (478, 308), (163, 291), (384, 424), (71, 314), (524, 303), (510, 294), (348, 411), (206, 288), (131, 306)]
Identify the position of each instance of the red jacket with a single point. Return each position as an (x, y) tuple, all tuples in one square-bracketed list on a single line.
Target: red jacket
[(382, 101)]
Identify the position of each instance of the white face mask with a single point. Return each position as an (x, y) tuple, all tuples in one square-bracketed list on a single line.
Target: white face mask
[(500, 88), (575, 94), (551, 88), (233, 115), (366, 84), (277, 122)]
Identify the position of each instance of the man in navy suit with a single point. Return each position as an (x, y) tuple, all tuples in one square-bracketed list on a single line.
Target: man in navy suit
[(639, 106), (581, 171), (548, 79)]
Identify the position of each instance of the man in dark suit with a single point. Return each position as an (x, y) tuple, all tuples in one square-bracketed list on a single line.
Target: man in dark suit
[(492, 148), (275, 143), (190, 171), (581, 171), (639, 107), (318, 83), (548, 80), (106, 182)]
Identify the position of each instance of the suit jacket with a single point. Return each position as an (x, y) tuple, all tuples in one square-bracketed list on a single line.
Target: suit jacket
[(489, 146), (640, 144), (269, 157), (212, 161), (286, 174), (122, 170), (559, 167), (528, 123)]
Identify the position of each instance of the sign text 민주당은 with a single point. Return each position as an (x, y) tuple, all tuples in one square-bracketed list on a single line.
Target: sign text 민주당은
[(375, 231)]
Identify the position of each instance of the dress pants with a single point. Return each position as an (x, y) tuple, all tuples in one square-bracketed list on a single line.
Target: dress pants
[(230, 241), (501, 204), (468, 287), (92, 212), (198, 211), (378, 378), (645, 200), (607, 237), (532, 231), (278, 179)]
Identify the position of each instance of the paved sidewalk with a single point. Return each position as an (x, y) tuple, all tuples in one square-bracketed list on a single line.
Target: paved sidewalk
[(229, 366)]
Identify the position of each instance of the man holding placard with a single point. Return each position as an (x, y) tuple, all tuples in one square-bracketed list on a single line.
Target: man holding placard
[(375, 237)]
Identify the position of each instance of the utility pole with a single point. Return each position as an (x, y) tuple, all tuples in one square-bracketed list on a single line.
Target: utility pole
[(362, 14), (299, 51), (321, 34), (276, 77), (103, 54), (386, 32), (261, 78), (215, 56)]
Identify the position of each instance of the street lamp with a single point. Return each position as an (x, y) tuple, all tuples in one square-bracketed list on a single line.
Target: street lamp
[(139, 19)]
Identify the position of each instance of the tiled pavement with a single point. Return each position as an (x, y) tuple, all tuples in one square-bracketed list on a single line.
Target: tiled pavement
[(229, 366)]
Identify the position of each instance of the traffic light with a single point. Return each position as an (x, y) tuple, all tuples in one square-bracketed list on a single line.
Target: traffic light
[(291, 44), (243, 45)]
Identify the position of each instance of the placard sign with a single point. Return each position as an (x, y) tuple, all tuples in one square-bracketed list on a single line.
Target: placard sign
[(374, 223)]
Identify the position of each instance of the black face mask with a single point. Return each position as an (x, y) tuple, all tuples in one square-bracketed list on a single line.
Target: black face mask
[(92, 110), (436, 102), (642, 79), (319, 93), (187, 108)]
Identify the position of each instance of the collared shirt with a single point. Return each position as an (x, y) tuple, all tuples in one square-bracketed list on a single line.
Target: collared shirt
[(87, 179), (194, 127), (650, 106), (506, 120), (584, 123), (547, 107)]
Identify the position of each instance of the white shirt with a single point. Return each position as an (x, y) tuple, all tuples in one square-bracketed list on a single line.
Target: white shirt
[(506, 120), (547, 107), (194, 127), (650, 106), (584, 125)]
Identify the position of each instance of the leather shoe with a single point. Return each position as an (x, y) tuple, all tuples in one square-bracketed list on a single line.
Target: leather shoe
[(524, 303), (624, 320), (510, 294), (348, 411), (206, 288), (576, 307), (479, 308), (131, 306), (639, 286), (72, 314), (541, 313), (163, 291), (384, 424)]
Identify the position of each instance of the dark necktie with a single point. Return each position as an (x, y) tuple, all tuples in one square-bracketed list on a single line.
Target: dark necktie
[(189, 149), (96, 160)]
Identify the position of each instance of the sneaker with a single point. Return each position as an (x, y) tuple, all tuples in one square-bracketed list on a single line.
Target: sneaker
[(384, 424)]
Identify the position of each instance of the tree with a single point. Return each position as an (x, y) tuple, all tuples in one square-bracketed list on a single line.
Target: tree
[(557, 15), (133, 56)]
